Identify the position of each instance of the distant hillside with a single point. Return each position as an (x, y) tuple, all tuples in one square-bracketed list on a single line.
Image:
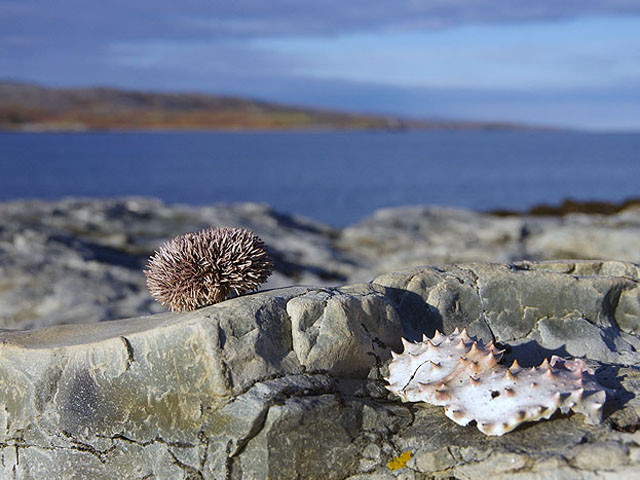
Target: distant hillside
[(30, 107)]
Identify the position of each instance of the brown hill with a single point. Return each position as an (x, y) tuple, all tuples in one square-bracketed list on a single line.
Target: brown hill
[(30, 107)]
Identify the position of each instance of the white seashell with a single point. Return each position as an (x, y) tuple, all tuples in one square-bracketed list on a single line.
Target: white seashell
[(463, 375)]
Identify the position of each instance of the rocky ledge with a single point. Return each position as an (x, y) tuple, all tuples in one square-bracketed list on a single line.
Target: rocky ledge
[(81, 260), (288, 383)]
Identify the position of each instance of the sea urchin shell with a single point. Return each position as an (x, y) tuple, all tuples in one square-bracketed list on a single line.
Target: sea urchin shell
[(198, 269)]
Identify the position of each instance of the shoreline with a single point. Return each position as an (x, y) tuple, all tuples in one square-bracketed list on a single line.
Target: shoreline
[(444, 126), (25, 105), (567, 206)]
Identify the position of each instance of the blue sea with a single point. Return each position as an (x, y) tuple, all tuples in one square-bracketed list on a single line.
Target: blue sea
[(335, 177)]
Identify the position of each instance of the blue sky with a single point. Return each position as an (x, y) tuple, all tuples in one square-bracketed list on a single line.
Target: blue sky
[(548, 62)]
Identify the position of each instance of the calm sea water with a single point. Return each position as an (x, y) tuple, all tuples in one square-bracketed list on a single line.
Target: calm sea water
[(335, 177)]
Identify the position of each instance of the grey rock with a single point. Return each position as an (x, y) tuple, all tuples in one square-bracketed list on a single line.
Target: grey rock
[(81, 260), (600, 456), (396, 238), (435, 460), (287, 383)]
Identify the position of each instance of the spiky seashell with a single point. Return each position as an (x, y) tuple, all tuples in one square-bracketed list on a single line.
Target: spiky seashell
[(436, 360), (463, 375)]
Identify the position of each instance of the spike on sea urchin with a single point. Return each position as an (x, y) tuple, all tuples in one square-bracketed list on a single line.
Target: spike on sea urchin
[(201, 268)]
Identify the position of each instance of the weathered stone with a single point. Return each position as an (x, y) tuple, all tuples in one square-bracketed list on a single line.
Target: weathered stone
[(308, 437), (287, 383), (80, 260), (395, 238), (433, 461), (599, 456), (496, 465), (340, 333)]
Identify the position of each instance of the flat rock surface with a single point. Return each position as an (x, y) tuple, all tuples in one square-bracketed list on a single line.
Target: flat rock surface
[(288, 383), (81, 260)]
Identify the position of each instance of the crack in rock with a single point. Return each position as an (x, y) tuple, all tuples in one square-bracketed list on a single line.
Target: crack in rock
[(168, 408)]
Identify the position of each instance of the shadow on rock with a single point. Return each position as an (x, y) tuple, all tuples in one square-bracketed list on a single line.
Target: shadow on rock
[(101, 253), (531, 353), (613, 377), (296, 271), (417, 316)]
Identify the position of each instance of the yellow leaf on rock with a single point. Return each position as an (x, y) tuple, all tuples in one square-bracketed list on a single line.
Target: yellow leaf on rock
[(400, 461)]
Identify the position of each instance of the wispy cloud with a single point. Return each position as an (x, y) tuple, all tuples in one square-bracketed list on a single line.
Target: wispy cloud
[(499, 59), (221, 57), (532, 56), (120, 20)]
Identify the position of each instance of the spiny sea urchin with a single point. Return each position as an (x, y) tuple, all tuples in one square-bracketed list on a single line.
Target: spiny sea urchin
[(201, 268)]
